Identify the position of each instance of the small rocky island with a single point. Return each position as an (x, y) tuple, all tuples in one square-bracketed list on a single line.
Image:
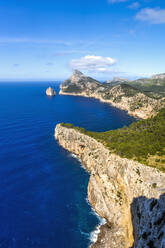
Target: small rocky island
[(50, 92)]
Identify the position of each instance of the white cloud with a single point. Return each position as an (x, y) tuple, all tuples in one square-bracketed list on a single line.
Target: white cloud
[(153, 16), (117, 1), (134, 5), (93, 63), (9, 40)]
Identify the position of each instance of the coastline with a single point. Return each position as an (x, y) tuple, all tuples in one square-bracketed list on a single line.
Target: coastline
[(139, 115), (97, 233), (110, 174)]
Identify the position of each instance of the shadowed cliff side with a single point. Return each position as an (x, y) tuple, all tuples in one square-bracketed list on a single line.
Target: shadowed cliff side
[(117, 188), (148, 218)]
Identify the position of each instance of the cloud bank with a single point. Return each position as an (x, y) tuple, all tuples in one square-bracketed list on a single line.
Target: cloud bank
[(92, 63), (152, 15)]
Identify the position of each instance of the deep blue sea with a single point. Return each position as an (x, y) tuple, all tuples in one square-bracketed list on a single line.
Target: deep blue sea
[(43, 189)]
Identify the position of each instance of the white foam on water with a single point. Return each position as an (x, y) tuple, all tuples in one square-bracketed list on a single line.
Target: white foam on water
[(94, 234), (79, 160)]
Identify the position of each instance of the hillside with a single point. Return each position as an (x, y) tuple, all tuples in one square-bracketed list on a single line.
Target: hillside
[(124, 96), (143, 141), (153, 87)]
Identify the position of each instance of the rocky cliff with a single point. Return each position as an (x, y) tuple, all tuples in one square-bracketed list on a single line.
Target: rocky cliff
[(122, 96), (129, 195)]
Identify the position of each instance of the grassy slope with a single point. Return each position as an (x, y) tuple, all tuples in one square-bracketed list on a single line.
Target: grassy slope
[(152, 87), (143, 141)]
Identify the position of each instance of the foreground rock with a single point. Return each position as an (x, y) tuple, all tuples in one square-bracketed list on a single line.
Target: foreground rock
[(122, 96), (50, 92), (129, 195)]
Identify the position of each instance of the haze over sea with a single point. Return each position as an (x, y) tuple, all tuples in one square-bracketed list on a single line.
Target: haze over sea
[(43, 189)]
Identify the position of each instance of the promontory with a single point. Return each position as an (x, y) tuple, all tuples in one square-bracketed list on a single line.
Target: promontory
[(127, 165), (126, 95)]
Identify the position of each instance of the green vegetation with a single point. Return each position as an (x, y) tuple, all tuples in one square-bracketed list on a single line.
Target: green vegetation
[(143, 141), (72, 88), (152, 87), (125, 90)]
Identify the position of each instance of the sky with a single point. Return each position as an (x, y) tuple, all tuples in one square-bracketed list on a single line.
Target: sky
[(48, 39)]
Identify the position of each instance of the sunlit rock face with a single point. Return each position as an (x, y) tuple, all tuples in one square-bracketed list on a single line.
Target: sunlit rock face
[(50, 92), (129, 195)]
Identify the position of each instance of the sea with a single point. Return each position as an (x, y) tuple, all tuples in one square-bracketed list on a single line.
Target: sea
[(43, 188)]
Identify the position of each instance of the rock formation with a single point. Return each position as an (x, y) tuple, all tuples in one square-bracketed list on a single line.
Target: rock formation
[(159, 76), (122, 96), (129, 195), (50, 92)]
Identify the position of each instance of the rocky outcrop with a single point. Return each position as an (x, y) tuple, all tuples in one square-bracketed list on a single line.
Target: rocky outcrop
[(50, 92), (122, 96), (129, 195), (159, 76)]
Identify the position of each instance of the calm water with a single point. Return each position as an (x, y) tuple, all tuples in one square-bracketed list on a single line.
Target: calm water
[(43, 189)]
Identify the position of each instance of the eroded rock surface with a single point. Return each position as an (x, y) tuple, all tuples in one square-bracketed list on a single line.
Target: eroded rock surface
[(50, 92), (129, 195)]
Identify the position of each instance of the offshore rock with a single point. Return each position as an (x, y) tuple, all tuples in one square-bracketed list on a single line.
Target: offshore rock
[(50, 92)]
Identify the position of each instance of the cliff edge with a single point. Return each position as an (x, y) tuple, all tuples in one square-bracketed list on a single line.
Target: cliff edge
[(129, 195)]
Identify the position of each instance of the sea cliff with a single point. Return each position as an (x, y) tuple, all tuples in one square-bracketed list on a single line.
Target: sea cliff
[(124, 96), (129, 195)]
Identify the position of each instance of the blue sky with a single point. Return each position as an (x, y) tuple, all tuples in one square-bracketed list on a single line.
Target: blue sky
[(47, 39)]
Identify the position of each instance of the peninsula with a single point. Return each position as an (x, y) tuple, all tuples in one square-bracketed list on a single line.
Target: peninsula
[(136, 101), (126, 166)]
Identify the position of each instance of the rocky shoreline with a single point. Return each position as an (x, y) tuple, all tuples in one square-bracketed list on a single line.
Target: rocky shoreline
[(134, 114), (129, 195), (122, 96)]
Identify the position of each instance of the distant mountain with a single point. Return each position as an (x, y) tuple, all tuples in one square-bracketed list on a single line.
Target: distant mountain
[(153, 87), (122, 95), (117, 80), (78, 82), (159, 76)]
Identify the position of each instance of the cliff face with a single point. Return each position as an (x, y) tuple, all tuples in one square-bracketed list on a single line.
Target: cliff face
[(122, 96), (129, 195)]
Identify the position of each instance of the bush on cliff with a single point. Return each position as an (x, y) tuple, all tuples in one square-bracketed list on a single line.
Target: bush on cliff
[(143, 141)]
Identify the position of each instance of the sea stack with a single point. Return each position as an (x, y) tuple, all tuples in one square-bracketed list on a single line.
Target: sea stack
[(50, 92)]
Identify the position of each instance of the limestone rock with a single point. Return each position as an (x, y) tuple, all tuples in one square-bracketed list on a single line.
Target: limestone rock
[(50, 92), (123, 96), (129, 195)]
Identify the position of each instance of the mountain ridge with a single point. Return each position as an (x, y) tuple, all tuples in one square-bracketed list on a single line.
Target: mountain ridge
[(125, 96)]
